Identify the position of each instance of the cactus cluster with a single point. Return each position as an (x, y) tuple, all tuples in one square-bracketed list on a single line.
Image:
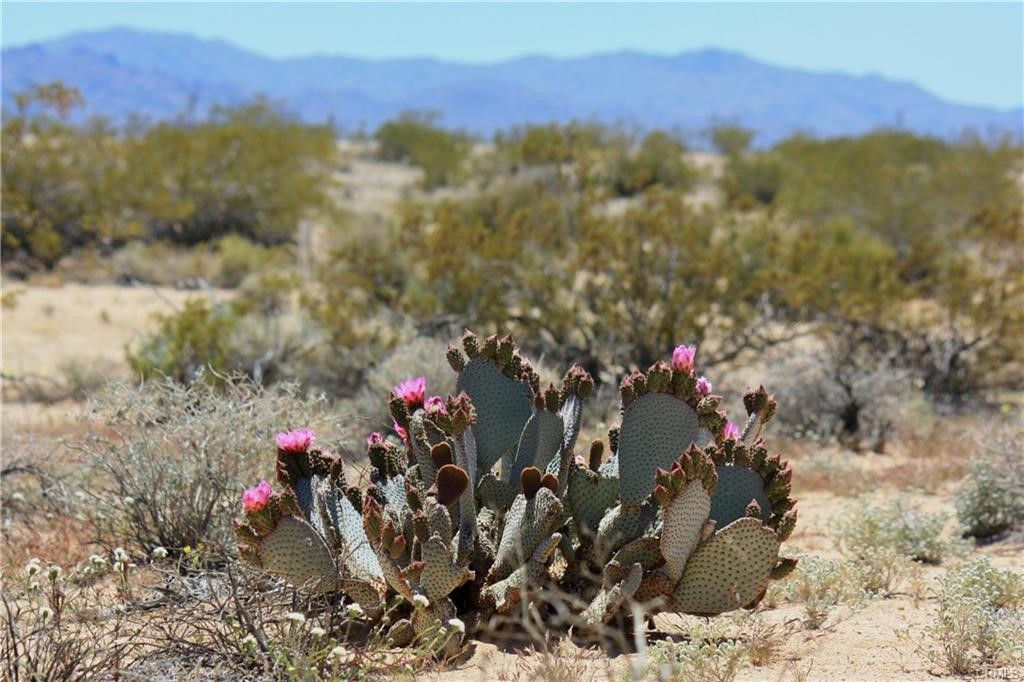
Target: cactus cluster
[(482, 500)]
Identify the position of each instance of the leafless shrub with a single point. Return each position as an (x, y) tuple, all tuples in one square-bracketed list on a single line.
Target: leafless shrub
[(171, 460)]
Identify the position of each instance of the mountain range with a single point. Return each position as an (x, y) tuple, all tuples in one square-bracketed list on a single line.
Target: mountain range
[(123, 71)]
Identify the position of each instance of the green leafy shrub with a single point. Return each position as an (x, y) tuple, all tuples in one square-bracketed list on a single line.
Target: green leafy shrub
[(416, 138), (249, 170), (658, 160)]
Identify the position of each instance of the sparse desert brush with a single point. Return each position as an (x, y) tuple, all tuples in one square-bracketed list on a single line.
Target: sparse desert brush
[(170, 459), (872, 521), (704, 653), (820, 586), (991, 499)]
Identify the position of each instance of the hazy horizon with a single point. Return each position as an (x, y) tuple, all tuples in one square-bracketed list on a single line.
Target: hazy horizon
[(965, 53)]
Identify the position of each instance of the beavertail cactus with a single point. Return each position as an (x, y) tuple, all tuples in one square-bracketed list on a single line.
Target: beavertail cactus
[(682, 510)]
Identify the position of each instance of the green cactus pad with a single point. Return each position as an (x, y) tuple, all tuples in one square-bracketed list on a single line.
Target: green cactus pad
[(611, 598), (355, 554), (622, 524), (507, 593), (656, 429), (644, 550), (591, 495), (503, 406), (682, 521), (737, 486), (729, 571), (495, 494), (297, 553), (440, 574), (539, 444), (527, 524)]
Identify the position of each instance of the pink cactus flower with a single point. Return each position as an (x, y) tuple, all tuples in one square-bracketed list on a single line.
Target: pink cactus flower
[(703, 386), (731, 431), (402, 433), (412, 391), (294, 442), (255, 499), (682, 358), (375, 439), (435, 405)]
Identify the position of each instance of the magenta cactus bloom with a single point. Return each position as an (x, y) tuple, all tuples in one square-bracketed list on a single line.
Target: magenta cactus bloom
[(375, 439), (296, 441), (703, 386), (435, 405), (731, 431), (255, 499), (402, 433), (683, 357), (412, 391)]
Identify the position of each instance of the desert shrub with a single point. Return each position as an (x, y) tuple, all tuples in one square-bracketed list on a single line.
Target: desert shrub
[(991, 499), (415, 137), (553, 143), (820, 586), (705, 654), (250, 170), (172, 458), (658, 160), (870, 523), (914, 243), (838, 388), (981, 619), (163, 263), (240, 257), (750, 181)]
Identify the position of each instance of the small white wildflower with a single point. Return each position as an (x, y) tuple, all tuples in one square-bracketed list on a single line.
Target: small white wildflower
[(53, 572), (337, 653), (159, 553), (17, 497), (33, 586), (317, 632), (354, 611), (32, 567), (457, 624), (97, 560), (118, 566), (296, 617), (248, 641), (421, 601), (121, 555), (129, 501)]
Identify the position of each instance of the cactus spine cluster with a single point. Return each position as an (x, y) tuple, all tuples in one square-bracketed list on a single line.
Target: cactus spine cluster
[(485, 491)]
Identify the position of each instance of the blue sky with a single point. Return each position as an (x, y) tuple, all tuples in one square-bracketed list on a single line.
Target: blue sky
[(971, 52)]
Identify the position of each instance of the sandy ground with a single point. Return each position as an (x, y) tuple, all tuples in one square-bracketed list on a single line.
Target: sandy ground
[(52, 326)]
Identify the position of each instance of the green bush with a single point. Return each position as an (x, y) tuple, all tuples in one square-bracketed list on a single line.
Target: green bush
[(249, 170), (415, 137), (658, 160)]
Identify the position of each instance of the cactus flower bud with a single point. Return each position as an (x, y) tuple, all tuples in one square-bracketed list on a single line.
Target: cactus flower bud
[(375, 439), (295, 442), (435, 405), (731, 431), (682, 358), (703, 386), (412, 391), (255, 499)]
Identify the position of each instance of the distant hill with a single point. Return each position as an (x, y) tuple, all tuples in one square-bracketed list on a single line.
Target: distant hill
[(122, 71)]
